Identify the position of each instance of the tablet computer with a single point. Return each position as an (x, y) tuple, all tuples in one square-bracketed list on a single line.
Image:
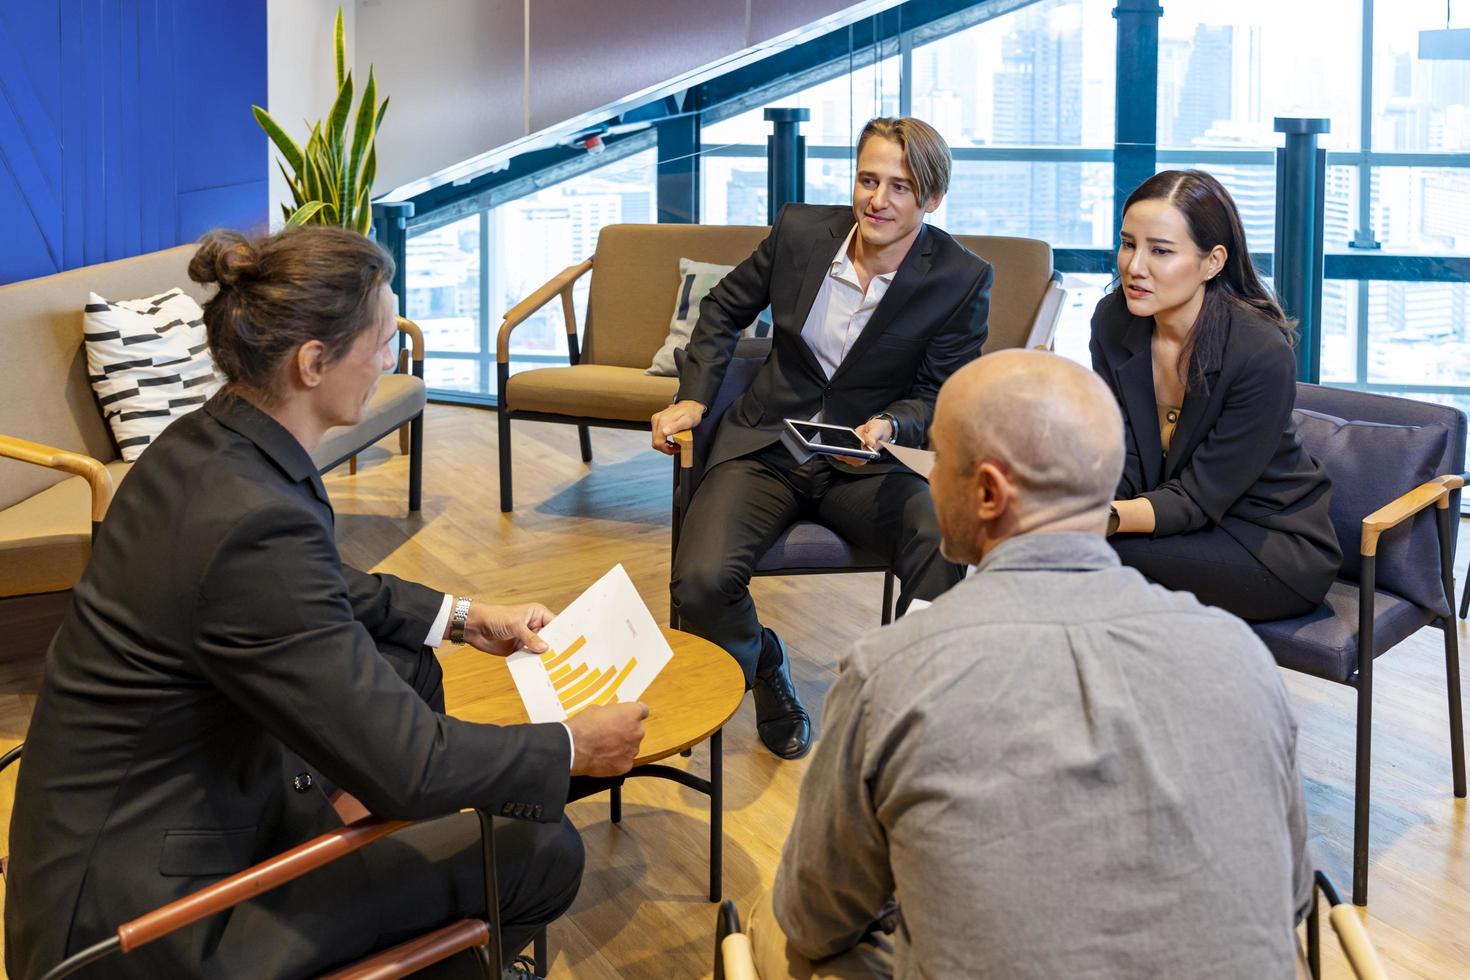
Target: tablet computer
[(828, 440)]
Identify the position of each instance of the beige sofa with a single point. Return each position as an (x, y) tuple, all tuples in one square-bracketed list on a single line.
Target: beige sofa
[(635, 272), (58, 463)]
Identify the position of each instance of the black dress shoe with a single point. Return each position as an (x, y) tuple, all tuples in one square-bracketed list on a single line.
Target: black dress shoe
[(780, 718)]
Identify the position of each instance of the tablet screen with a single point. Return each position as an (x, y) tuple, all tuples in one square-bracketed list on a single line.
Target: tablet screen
[(834, 436)]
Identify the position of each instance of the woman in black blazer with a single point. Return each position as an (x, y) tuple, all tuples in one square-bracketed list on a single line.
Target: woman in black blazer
[(1218, 497), (220, 670)]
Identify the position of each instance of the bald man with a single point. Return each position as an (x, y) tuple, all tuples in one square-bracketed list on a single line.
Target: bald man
[(1058, 769)]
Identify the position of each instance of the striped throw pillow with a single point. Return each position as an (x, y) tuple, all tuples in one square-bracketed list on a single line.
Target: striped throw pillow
[(148, 361), (696, 279)]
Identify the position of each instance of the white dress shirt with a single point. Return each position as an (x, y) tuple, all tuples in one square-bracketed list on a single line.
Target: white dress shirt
[(841, 310), (436, 637)]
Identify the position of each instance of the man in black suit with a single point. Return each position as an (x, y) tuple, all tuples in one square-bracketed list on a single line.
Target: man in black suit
[(872, 311), (220, 671)]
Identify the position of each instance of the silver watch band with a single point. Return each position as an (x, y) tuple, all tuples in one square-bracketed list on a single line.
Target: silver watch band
[(459, 618)]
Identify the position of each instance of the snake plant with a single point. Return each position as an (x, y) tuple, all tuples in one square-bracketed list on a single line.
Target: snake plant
[(331, 179)]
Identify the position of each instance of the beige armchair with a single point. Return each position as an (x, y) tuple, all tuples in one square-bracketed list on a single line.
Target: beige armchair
[(58, 463)]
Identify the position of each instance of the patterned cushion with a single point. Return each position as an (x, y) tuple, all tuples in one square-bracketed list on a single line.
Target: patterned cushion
[(148, 361), (696, 279)]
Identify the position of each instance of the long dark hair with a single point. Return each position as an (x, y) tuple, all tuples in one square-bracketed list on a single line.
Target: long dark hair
[(279, 291), (1213, 220)]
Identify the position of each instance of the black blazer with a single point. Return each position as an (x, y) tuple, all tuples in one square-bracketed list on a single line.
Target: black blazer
[(214, 642), (932, 321), (1235, 458)]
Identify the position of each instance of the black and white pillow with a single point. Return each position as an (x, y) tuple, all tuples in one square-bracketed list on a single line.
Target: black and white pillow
[(148, 361), (696, 279)]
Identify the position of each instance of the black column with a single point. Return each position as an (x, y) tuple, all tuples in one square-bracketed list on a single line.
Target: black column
[(678, 169), (1296, 268), (786, 159), (1135, 122), (390, 228)]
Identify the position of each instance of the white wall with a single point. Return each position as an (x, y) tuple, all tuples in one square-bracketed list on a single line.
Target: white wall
[(301, 77)]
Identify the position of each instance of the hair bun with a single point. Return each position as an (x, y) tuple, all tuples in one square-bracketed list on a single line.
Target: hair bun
[(224, 257)]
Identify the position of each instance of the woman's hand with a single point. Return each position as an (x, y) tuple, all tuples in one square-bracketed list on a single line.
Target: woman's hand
[(502, 630), (1135, 516)]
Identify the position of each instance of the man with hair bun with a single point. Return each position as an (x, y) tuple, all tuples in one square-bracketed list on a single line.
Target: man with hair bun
[(220, 671), (872, 310), (1058, 769)]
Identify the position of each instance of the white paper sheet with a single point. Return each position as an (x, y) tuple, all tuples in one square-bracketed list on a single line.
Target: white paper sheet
[(921, 461), (605, 648)]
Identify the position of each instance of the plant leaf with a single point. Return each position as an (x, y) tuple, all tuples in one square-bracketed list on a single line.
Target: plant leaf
[(339, 47), (370, 168), (364, 210), (292, 183), (304, 214), (362, 134), (382, 111), (337, 118), (278, 136)]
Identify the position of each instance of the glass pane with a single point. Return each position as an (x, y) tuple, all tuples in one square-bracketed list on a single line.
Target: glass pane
[(1419, 333), (1340, 220), (1053, 85), (1422, 209), (452, 375), (443, 277), (1061, 203), (1339, 362), (1420, 106), (733, 188), (1227, 69), (840, 108), (535, 237), (1074, 329)]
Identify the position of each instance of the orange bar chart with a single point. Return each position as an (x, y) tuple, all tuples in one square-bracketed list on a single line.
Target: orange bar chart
[(580, 687)]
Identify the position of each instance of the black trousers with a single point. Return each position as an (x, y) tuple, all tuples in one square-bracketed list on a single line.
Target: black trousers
[(742, 506), (1217, 569), (423, 877)]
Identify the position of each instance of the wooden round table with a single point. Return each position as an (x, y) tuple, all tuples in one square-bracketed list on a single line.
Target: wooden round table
[(688, 702)]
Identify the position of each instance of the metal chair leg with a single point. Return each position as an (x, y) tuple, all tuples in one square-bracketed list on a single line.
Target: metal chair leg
[(887, 597), (584, 436), (539, 953), (416, 463), (716, 815), (1364, 761), (502, 414), (1452, 650), (616, 802)]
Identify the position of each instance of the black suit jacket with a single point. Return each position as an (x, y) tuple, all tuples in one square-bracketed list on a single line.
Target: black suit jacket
[(932, 321), (214, 641), (1235, 459)]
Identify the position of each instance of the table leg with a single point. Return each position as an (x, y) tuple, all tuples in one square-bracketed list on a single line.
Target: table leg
[(617, 802), (716, 814)]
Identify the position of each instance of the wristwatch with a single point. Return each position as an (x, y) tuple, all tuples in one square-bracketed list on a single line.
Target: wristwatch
[(1113, 520), (458, 618), (893, 436)]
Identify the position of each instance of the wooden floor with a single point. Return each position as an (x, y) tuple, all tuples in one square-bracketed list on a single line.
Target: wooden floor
[(643, 911)]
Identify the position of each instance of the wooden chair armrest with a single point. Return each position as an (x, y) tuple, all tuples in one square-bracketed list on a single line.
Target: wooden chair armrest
[(253, 881), (416, 954), (560, 284), (1356, 945), (1436, 491), (60, 459), (685, 442), (738, 958), (415, 336)]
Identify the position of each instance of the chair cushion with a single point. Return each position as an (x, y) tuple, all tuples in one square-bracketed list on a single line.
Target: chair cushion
[(46, 539), (807, 545), (1371, 464), (149, 363), (1325, 641), (399, 398), (599, 391)]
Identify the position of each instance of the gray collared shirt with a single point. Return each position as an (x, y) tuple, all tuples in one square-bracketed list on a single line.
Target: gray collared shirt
[(1061, 770)]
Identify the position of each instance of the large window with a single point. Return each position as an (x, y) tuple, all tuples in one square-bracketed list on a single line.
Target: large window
[(1026, 94), (464, 275)]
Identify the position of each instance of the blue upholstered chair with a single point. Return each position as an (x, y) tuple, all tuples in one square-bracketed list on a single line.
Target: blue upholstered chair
[(1396, 470), (806, 548)]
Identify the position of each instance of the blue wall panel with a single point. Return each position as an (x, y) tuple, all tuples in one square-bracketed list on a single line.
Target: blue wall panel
[(125, 127)]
